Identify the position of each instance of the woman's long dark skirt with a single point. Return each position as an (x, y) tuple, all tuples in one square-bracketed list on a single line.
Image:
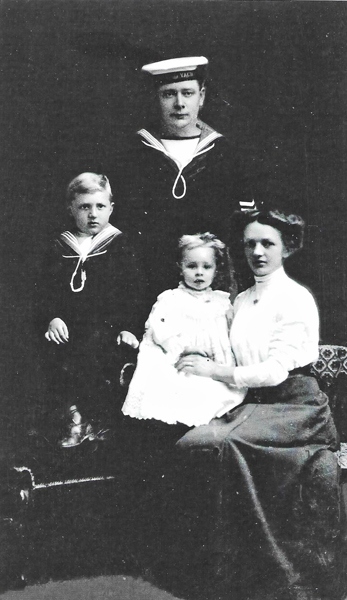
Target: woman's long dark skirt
[(274, 515)]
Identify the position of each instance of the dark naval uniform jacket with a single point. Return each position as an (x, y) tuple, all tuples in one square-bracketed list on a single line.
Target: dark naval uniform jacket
[(159, 202)]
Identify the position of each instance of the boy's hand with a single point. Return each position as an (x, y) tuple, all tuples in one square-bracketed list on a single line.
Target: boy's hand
[(57, 331), (125, 337)]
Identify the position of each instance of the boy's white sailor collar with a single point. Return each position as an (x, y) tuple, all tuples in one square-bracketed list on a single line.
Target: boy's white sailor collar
[(99, 241), (98, 246), (262, 284)]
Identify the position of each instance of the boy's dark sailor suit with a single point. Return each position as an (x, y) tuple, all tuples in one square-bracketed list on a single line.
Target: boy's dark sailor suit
[(97, 295)]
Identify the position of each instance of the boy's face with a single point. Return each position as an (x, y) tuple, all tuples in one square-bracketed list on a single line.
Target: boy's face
[(179, 105), (91, 211)]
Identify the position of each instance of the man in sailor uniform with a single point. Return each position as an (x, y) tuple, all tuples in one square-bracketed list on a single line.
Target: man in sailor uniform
[(181, 177)]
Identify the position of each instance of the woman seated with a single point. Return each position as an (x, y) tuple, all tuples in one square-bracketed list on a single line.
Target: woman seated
[(277, 520)]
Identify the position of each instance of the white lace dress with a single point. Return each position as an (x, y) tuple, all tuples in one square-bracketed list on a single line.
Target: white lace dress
[(181, 319)]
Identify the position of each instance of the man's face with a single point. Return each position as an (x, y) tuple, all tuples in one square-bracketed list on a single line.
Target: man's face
[(179, 104)]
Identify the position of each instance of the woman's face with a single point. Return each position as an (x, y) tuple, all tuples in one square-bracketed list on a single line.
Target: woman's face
[(264, 248)]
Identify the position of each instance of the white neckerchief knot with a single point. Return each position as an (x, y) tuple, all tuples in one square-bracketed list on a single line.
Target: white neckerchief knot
[(90, 247), (205, 144)]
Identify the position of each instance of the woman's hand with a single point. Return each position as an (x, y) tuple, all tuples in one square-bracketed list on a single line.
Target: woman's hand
[(125, 337), (195, 364), (57, 331)]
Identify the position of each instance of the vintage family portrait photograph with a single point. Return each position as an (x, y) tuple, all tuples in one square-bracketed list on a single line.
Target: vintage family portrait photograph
[(173, 300)]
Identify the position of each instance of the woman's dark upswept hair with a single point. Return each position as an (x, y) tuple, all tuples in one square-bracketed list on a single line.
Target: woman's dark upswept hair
[(291, 227)]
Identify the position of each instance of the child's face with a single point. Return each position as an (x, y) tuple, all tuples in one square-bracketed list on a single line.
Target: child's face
[(198, 267), (91, 211)]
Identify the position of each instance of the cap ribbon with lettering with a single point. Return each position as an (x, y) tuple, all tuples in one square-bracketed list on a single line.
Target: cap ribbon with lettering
[(177, 69)]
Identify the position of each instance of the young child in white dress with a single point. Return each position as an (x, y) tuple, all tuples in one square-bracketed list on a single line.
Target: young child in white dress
[(190, 318)]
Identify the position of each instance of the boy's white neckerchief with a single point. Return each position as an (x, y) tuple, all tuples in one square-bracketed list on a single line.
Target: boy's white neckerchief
[(98, 246)]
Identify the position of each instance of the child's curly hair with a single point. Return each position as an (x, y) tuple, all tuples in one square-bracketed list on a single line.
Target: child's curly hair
[(208, 240)]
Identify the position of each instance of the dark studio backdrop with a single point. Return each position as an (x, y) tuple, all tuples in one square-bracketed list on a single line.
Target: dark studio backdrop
[(72, 93)]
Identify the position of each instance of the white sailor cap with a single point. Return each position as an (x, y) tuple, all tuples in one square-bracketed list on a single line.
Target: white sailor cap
[(177, 69)]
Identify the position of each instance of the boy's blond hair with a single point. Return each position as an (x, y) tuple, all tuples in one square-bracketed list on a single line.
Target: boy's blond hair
[(87, 183)]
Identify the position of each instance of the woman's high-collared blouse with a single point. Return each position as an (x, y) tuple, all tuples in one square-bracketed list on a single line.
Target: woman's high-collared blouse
[(275, 330)]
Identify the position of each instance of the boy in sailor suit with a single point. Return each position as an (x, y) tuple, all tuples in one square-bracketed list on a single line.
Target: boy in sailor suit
[(92, 306)]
